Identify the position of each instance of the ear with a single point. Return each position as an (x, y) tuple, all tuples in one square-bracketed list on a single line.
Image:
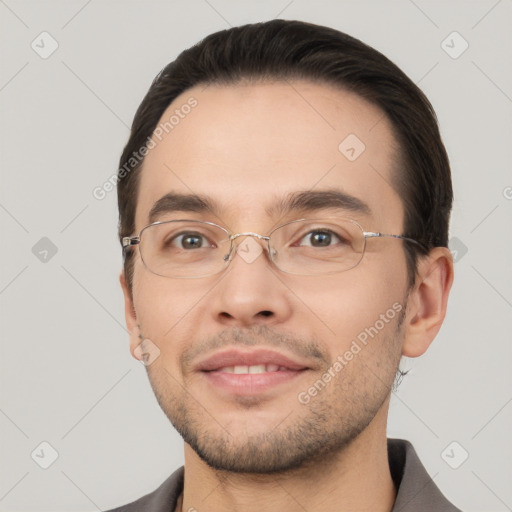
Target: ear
[(426, 307), (130, 316)]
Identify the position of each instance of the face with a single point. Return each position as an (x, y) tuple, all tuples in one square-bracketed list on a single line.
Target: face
[(246, 148)]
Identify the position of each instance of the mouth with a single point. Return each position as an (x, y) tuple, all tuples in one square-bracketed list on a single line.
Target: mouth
[(252, 369), (250, 373)]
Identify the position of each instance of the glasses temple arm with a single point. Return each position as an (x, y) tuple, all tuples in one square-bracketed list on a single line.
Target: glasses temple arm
[(128, 241), (372, 234)]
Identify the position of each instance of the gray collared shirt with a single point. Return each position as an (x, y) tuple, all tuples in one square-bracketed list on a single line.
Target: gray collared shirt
[(417, 492)]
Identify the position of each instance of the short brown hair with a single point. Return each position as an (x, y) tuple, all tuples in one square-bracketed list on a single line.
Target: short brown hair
[(281, 50)]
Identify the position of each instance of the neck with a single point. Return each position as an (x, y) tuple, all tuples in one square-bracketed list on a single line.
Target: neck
[(354, 478)]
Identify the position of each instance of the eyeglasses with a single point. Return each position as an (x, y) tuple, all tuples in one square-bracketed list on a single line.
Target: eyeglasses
[(192, 248)]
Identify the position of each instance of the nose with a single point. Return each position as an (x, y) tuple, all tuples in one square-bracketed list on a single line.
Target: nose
[(251, 291)]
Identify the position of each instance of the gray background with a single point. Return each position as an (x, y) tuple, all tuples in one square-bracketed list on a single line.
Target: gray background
[(67, 377)]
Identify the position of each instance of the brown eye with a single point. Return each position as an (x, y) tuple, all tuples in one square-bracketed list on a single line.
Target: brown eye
[(188, 241), (320, 238)]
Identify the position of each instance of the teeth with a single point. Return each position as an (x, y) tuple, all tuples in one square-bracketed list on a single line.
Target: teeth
[(256, 368)]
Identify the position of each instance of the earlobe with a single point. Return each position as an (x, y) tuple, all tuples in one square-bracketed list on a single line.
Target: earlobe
[(130, 315), (426, 308)]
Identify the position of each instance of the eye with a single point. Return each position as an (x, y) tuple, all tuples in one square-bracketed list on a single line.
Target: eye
[(320, 238), (188, 241)]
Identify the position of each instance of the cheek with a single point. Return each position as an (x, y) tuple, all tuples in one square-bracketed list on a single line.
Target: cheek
[(348, 303), (166, 307)]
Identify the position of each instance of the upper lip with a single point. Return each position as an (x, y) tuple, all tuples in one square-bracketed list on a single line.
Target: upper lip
[(237, 357)]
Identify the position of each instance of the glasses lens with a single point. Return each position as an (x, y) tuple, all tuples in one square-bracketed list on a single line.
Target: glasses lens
[(317, 246), (184, 248)]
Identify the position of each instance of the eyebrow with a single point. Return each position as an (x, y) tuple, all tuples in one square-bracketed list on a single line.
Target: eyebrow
[(313, 200), (296, 202), (174, 202)]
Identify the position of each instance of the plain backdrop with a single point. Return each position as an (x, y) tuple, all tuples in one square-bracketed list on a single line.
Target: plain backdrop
[(67, 377)]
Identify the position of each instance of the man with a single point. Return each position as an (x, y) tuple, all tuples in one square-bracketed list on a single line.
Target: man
[(284, 203)]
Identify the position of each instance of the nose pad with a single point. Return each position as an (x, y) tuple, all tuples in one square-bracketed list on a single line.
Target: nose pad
[(234, 248), (229, 255)]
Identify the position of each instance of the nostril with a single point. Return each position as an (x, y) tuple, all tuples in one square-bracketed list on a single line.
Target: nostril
[(265, 313)]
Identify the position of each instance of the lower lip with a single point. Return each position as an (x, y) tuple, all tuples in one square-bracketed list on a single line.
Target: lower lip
[(250, 383)]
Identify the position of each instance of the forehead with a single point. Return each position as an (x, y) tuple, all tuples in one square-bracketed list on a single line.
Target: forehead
[(246, 147)]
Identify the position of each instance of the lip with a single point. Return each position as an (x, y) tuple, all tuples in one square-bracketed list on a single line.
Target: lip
[(249, 384), (237, 357)]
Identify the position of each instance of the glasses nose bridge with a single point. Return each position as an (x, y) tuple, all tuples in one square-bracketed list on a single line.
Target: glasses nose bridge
[(234, 247), (249, 233)]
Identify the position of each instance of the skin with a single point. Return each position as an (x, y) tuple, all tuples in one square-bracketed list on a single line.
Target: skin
[(246, 146)]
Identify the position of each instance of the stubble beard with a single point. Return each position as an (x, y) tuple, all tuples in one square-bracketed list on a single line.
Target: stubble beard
[(305, 435)]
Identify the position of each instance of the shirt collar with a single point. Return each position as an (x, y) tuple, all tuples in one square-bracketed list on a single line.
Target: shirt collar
[(416, 490)]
